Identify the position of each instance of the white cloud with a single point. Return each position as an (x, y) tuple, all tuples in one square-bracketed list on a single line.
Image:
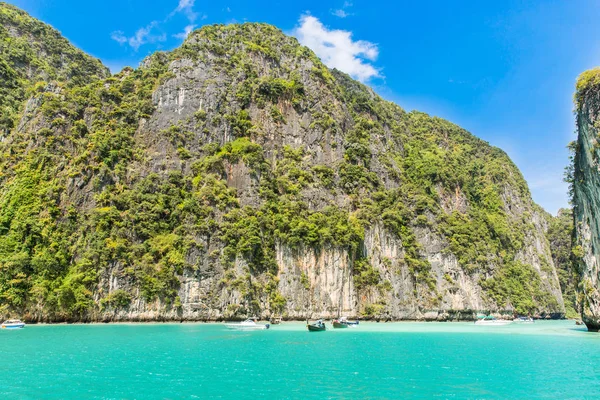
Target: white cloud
[(142, 36), (186, 32), (183, 4), (119, 36), (146, 35), (186, 6), (337, 49), (340, 13)]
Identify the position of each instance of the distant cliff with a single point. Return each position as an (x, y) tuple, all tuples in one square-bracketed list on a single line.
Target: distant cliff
[(560, 236), (586, 196), (31, 51), (237, 175)]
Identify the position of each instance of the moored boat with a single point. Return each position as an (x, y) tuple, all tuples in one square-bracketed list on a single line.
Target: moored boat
[(491, 321), (12, 324), (523, 320), (247, 325), (343, 322), (316, 326)]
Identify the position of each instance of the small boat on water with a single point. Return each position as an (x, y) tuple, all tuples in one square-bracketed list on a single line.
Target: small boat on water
[(491, 321), (247, 325), (523, 320), (316, 326), (12, 324), (343, 322), (275, 321)]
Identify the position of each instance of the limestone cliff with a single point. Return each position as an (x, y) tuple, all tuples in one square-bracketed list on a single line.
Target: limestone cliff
[(237, 175), (586, 197), (31, 51)]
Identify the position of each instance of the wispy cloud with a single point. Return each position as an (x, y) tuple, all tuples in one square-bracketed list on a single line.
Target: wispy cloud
[(337, 49), (185, 4), (142, 36), (186, 32), (186, 7), (342, 12), (151, 33), (119, 36)]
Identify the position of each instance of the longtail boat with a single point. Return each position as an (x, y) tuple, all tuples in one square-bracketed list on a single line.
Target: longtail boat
[(316, 326), (343, 322)]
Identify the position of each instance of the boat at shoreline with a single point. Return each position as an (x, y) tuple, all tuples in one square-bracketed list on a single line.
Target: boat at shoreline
[(492, 321), (12, 324), (343, 322), (247, 325), (523, 320), (316, 326)]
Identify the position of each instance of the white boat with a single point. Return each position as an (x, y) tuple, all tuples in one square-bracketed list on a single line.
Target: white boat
[(491, 321), (524, 320), (247, 325), (12, 324), (344, 323)]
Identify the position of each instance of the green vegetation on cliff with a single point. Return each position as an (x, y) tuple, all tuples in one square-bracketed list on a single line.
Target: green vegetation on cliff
[(588, 83), (31, 52), (584, 183), (117, 180), (560, 236)]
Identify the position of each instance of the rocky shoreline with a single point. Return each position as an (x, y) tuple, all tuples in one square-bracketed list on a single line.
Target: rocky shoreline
[(429, 316)]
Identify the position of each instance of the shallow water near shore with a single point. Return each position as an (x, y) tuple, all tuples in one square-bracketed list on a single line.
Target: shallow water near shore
[(547, 359)]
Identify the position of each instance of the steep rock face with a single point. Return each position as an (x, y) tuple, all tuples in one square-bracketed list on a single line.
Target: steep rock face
[(586, 197), (238, 176)]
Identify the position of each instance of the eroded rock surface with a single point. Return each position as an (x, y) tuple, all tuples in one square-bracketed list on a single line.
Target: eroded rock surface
[(238, 176)]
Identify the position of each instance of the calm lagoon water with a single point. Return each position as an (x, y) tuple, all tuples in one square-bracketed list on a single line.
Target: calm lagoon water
[(545, 360)]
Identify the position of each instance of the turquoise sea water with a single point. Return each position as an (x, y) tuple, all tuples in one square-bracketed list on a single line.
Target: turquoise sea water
[(545, 360)]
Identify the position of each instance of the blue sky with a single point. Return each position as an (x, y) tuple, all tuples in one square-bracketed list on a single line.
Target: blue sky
[(504, 70)]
